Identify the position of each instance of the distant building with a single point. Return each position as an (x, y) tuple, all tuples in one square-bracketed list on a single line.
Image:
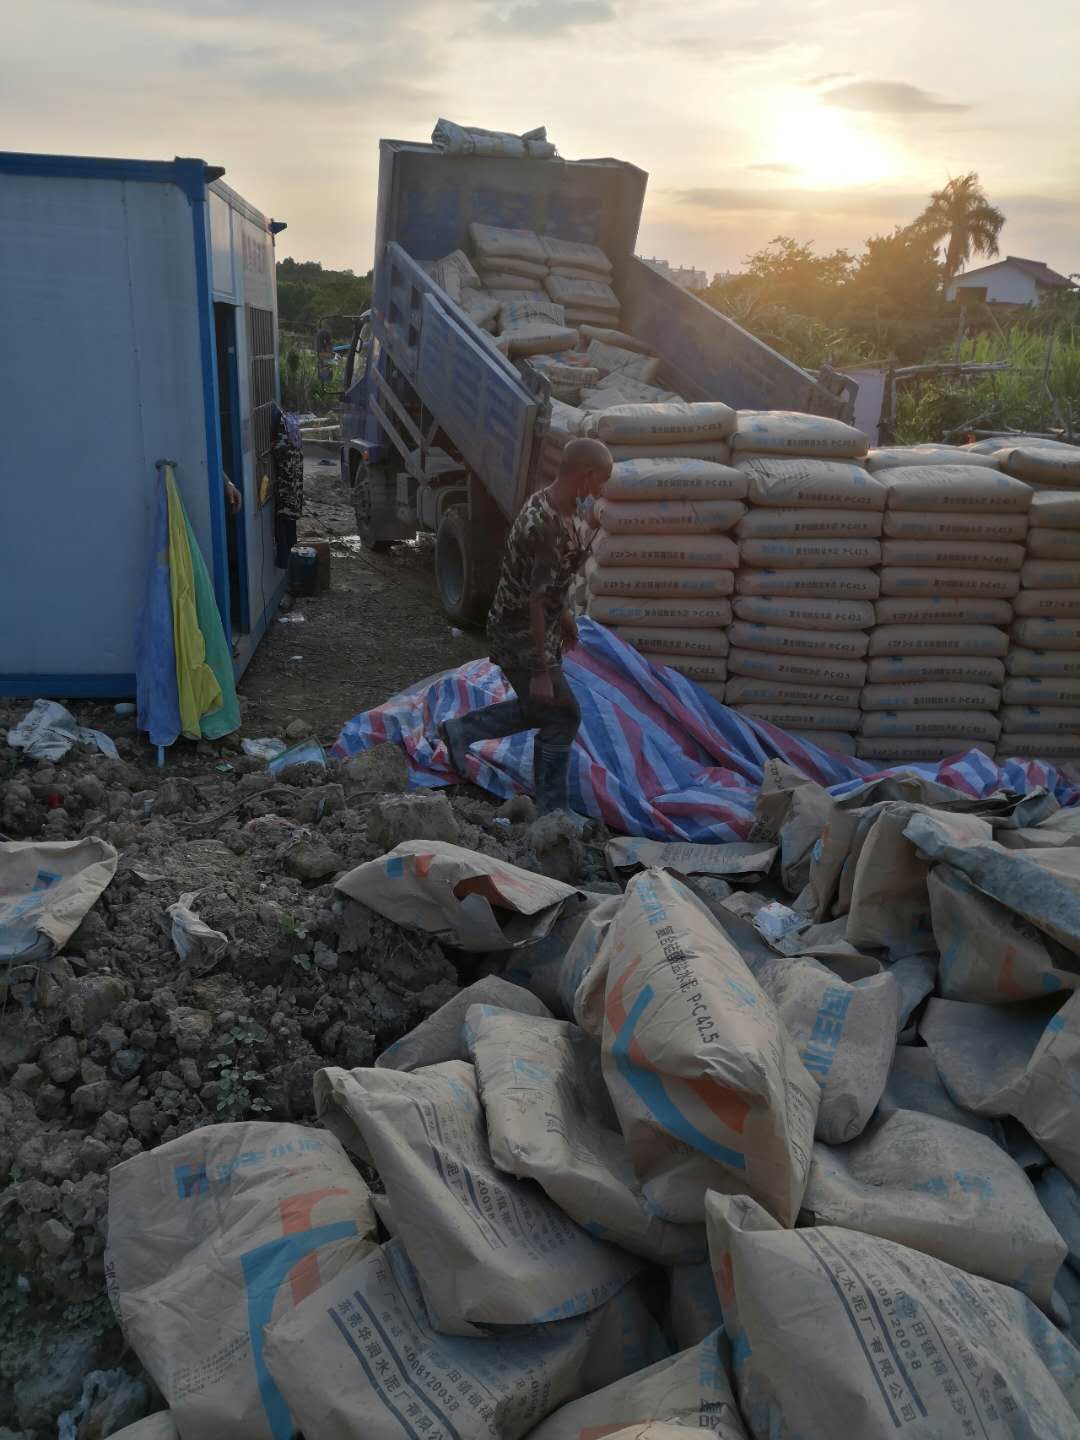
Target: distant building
[(1012, 281), (683, 276)]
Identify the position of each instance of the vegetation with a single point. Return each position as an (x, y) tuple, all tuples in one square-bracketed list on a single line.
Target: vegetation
[(961, 214), (308, 296)]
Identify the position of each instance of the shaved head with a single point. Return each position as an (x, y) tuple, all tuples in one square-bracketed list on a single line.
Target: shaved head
[(585, 465)]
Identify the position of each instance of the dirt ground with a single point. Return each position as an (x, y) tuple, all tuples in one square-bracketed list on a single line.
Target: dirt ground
[(378, 629)]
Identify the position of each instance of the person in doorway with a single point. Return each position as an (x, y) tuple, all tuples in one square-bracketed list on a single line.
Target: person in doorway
[(287, 457), (233, 499), (530, 623)]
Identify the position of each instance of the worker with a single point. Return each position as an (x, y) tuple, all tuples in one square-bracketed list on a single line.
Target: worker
[(530, 624), (287, 458)]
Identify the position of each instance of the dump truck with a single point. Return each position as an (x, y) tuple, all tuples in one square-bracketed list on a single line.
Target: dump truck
[(443, 433)]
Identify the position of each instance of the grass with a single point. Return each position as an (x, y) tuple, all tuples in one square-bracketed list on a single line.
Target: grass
[(302, 392)]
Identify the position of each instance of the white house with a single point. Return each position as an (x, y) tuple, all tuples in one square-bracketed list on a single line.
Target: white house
[(1012, 281)]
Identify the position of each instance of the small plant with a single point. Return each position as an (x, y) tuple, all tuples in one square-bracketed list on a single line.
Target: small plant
[(293, 928), (302, 962), (236, 1099)]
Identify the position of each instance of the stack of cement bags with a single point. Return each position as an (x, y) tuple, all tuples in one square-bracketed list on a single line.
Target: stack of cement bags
[(508, 259), (952, 552), (663, 566), (803, 607), (579, 279)]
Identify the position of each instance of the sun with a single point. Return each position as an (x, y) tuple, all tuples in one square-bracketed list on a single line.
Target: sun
[(829, 147)]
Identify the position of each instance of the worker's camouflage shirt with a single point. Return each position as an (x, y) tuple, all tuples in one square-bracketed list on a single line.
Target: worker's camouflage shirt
[(543, 554)]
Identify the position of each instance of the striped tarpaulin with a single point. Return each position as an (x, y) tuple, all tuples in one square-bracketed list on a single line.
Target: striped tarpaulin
[(656, 755)]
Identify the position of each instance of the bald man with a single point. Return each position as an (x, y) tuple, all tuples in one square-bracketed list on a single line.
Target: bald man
[(530, 623)]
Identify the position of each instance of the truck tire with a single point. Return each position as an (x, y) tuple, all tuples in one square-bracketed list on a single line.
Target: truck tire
[(464, 581), (376, 520)]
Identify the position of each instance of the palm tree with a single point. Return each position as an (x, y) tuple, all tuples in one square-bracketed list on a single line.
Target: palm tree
[(961, 213)]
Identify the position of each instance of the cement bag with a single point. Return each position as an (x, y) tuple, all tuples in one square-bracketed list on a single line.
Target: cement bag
[(845, 1035), (1041, 690), (821, 484), (802, 717), (942, 610), (580, 315), (1047, 544), (820, 1313), (823, 584), (1025, 746), (589, 294), (805, 614), (565, 420), (519, 312), (535, 337), (550, 1119), (1048, 604), (614, 337), (798, 669), (667, 517), (676, 422), (1047, 633), (914, 1084), (523, 293), (491, 241), (472, 900), (693, 1305), (1060, 1198), (488, 1249), (611, 358), (989, 953), (837, 644), (708, 1088), (676, 643), (937, 526), (931, 695), (744, 691), (899, 669), (835, 740), (706, 671), (1050, 575), (944, 1190), (553, 968), (968, 488), (418, 1381), (481, 306), (794, 524), (455, 269), (1040, 719), (954, 554), (499, 281), (1020, 1060), (810, 554), (1061, 663), (688, 1391), (442, 1035), (708, 552), (527, 272), (647, 581), (888, 457), (778, 432), (681, 614), (748, 862), (974, 640), (1056, 509), (578, 253), (943, 724), (718, 451), (213, 1236), (46, 888), (910, 747), (623, 389), (915, 580), (677, 479), (1060, 467)]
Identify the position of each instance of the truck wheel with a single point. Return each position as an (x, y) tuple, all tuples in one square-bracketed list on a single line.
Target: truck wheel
[(374, 515), (464, 581)]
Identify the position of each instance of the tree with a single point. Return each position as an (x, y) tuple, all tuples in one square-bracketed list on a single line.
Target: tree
[(961, 215)]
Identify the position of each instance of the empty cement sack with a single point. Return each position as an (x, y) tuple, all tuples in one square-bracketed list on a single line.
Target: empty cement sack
[(488, 1249), (1056, 466), (646, 581), (693, 1305), (367, 1364), (1020, 1060), (778, 432), (442, 1035), (710, 552), (707, 1085), (942, 1189), (213, 1236), (889, 457), (814, 484), (676, 421), (675, 479), (914, 1084), (846, 1334), (667, 517), (687, 1391), (777, 554), (845, 1035), (688, 613), (549, 1119), (824, 584), (954, 487), (48, 887)]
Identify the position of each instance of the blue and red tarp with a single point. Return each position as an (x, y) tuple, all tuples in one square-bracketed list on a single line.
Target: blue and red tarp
[(656, 755)]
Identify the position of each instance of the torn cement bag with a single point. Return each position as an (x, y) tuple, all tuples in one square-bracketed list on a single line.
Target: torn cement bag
[(489, 1250), (550, 1119), (365, 1363), (46, 887), (845, 1035), (469, 899), (693, 1305), (211, 1237), (198, 946), (553, 968), (748, 861), (707, 1084), (915, 975), (828, 851), (691, 1390), (47, 732), (845, 1334), (942, 1189), (988, 952), (442, 1035), (1021, 1060), (915, 1084)]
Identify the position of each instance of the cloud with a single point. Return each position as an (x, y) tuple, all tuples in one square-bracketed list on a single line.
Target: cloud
[(786, 200), (732, 45), (888, 97), (777, 167), (546, 18), (828, 78)]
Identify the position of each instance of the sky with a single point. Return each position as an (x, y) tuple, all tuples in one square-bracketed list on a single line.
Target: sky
[(810, 118)]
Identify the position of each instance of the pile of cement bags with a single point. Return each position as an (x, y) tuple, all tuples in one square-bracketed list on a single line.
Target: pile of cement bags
[(861, 1108)]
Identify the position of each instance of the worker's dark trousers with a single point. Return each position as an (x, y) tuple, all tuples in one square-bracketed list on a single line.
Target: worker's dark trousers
[(555, 721)]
